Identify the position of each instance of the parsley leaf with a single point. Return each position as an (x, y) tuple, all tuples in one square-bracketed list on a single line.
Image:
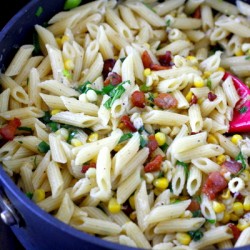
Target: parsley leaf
[(185, 165), (240, 158), (125, 137), (43, 147), (243, 109), (196, 235), (211, 221), (25, 129), (209, 83), (143, 142)]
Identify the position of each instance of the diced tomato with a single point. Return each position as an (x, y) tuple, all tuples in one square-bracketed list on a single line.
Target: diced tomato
[(235, 230), (107, 67), (197, 13), (128, 124), (194, 206), (85, 168), (211, 96), (152, 144), (165, 101), (154, 165), (194, 100), (231, 166), (146, 59), (113, 79), (157, 67), (214, 184), (165, 60), (138, 99), (8, 131)]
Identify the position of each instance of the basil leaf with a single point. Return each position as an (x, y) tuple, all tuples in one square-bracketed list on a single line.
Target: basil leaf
[(196, 235), (25, 129), (54, 126), (82, 88), (164, 147), (46, 118), (107, 89), (43, 147), (125, 137), (115, 94)]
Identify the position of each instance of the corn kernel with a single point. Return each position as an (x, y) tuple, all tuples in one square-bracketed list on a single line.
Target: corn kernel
[(239, 53), (59, 41), (212, 139), (206, 74), (183, 238), (55, 111), (220, 159), (234, 217), (64, 39), (118, 147), (160, 138), (157, 191), (221, 69), (246, 203), (242, 226), (236, 138), (192, 59), (199, 83), (226, 218), (63, 133), (147, 72), (238, 208), (226, 194), (189, 96), (161, 183), (113, 206), (69, 64), (75, 142), (218, 207), (93, 137), (132, 202), (38, 195)]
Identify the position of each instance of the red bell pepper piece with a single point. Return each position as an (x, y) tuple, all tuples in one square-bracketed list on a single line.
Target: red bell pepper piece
[(8, 131), (241, 115)]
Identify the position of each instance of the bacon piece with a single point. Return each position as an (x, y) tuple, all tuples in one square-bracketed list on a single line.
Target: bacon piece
[(128, 124), (146, 59), (154, 165), (85, 168), (152, 144), (138, 99), (107, 67), (8, 131), (232, 166), (165, 101), (165, 60), (113, 79), (214, 184), (235, 230), (211, 96)]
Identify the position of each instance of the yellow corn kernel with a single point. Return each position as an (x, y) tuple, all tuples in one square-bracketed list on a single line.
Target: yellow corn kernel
[(221, 69), (239, 53), (226, 194), (93, 137), (200, 100), (183, 238), (236, 138), (64, 39), (242, 226), (113, 206), (75, 142), (63, 133), (189, 96), (234, 217), (59, 41), (55, 111), (118, 147), (160, 138), (246, 203), (238, 208), (199, 83), (192, 59), (218, 207), (132, 201), (226, 218), (69, 64), (157, 191), (220, 159), (212, 139), (147, 72), (38, 195), (161, 183), (206, 74)]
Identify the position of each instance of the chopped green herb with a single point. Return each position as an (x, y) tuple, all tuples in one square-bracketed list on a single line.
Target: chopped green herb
[(46, 118), (211, 221), (240, 158), (125, 137), (54, 126), (122, 59), (107, 89), (161, 174), (145, 88), (37, 48), (215, 48), (151, 97), (25, 129), (164, 147), (66, 73), (198, 199), (143, 142), (70, 4), (150, 7), (72, 134), (43, 147), (209, 83), (168, 22), (141, 129), (185, 165), (243, 109), (176, 201), (27, 81), (20, 142), (39, 11), (197, 213), (196, 235), (247, 57), (29, 195)]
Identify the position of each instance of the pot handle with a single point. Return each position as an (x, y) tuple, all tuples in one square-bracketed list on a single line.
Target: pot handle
[(8, 213)]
